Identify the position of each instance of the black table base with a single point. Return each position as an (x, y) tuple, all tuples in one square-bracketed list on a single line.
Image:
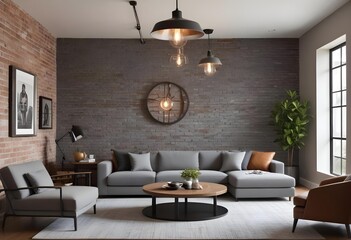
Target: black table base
[(185, 211)]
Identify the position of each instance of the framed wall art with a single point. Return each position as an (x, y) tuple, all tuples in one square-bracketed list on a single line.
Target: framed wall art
[(45, 113), (23, 95)]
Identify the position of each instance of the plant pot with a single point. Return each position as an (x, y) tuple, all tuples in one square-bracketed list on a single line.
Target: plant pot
[(292, 171), (187, 184), (195, 184)]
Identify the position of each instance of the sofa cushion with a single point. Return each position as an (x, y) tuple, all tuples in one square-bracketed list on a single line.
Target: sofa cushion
[(213, 176), (232, 161), (178, 160), (121, 161), (131, 178), (244, 179), (260, 160), (210, 160), (169, 176), (140, 162), (39, 178), (74, 199)]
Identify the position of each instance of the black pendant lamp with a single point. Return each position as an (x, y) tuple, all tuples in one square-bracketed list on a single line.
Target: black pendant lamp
[(209, 63), (177, 30)]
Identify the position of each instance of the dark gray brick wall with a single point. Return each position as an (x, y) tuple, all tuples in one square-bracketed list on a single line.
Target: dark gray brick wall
[(103, 84)]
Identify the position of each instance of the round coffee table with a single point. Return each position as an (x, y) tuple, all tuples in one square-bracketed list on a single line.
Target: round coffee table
[(185, 211)]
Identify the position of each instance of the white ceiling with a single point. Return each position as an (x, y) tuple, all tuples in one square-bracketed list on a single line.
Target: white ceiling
[(229, 18)]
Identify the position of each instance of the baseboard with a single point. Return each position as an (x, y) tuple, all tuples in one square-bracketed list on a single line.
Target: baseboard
[(307, 183)]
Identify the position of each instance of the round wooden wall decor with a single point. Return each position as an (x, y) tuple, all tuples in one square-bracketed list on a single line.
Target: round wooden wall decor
[(167, 102)]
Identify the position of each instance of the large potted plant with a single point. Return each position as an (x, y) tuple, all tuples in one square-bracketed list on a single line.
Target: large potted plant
[(290, 119)]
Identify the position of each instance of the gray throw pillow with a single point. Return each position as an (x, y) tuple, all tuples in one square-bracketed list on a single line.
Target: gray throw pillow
[(246, 160), (122, 161), (232, 161), (140, 162), (39, 178)]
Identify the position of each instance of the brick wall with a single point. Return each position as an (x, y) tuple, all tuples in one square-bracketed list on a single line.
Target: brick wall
[(25, 43), (103, 85)]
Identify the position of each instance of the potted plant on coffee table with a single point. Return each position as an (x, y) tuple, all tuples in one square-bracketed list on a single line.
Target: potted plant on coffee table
[(290, 119), (191, 177)]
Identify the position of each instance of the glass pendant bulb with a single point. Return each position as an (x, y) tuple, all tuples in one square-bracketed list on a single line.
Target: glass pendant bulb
[(176, 38), (209, 69), (179, 59)]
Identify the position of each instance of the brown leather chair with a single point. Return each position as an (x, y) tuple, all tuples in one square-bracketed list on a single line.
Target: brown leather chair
[(330, 202)]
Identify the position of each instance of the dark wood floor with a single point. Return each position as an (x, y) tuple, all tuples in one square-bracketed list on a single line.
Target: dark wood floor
[(27, 227)]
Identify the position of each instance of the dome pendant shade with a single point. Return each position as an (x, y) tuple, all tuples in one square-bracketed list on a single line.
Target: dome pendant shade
[(210, 63), (210, 59), (177, 30)]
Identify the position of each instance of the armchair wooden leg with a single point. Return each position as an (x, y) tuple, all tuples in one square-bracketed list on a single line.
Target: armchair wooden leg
[(294, 225), (348, 230), (95, 209)]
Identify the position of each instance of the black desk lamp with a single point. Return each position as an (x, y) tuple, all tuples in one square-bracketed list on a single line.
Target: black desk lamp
[(76, 133)]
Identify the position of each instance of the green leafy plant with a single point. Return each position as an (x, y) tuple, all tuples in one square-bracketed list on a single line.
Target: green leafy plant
[(290, 119), (190, 173)]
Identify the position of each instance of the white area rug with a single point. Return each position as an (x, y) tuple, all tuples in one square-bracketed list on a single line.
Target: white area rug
[(122, 218)]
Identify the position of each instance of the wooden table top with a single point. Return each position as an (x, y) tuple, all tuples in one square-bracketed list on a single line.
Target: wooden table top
[(209, 190)]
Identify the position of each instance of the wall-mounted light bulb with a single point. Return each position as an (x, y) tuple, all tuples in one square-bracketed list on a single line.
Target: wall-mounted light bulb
[(176, 38), (166, 104)]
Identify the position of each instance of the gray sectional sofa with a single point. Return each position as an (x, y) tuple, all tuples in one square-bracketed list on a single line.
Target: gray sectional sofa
[(116, 177)]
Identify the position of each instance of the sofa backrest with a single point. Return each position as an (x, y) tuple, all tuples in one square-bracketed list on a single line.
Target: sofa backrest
[(12, 176), (177, 160), (210, 160)]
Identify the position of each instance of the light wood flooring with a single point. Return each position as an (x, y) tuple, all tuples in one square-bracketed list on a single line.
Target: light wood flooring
[(26, 227)]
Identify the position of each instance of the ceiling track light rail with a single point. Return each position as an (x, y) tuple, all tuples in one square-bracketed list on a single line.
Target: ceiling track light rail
[(138, 27)]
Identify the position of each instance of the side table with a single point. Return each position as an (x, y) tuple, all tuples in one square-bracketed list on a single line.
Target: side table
[(87, 167), (62, 177)]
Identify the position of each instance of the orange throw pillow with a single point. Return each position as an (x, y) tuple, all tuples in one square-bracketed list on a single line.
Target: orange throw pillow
[(260, 160)]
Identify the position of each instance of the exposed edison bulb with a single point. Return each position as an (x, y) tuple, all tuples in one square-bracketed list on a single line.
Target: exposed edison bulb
[(166, 104), (209, 69), (176, 38), (179, 59)]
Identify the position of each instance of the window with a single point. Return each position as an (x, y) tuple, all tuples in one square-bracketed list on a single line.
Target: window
[(338, 109)]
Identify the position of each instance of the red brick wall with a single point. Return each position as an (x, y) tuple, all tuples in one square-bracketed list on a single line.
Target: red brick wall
[(25, 43)]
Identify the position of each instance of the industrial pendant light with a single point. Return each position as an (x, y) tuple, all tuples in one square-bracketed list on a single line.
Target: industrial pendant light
[(209, 63), (177, 30), (179, 59)]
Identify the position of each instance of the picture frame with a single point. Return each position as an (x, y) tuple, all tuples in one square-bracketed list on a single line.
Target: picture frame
[(22, 103), (45, 113)]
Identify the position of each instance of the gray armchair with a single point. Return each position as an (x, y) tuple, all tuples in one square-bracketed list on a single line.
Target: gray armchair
[(30, 192)]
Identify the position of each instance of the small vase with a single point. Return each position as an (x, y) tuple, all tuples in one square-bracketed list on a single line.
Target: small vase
[(187, 184), (195, 184)]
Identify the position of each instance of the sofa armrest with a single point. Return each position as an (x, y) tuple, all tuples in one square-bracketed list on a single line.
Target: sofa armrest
[(276, 166), (104, 169)]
